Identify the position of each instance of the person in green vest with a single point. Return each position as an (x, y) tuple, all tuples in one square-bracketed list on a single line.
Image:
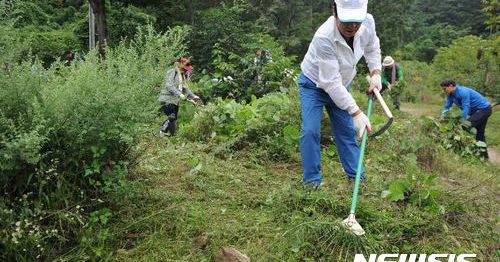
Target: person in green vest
[(392, 80)]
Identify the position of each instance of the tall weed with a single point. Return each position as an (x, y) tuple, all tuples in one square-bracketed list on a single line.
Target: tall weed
[(271, 123), (65, 136)]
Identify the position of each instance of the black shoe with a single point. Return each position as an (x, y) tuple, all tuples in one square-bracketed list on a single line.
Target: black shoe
[(485, 155), (172, 128)]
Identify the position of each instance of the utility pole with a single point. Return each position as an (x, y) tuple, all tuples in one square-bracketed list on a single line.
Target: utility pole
[(91, 28), (101, 26)]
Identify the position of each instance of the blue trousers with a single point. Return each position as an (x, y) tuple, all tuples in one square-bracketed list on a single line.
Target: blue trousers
[(312, 101)]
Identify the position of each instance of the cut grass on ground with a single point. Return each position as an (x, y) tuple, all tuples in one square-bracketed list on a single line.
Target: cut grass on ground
[(191, 203)]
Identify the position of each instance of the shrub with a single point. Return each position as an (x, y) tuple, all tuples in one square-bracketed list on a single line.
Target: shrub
[(48, 44), (415, 189), (271, 122), (11, 45), (222, 26), (240, 76), (65, 138), (471, 61), (418, 87)]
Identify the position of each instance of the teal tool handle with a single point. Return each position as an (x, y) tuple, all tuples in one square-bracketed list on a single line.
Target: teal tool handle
[(360, 160)]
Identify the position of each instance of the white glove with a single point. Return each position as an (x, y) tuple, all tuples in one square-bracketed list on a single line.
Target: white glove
[(182, 96), (443, 113), (375, 82), (360, 123)]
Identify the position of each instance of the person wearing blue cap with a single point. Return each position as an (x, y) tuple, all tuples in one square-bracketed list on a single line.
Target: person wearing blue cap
[(475, 108), (328, 69)]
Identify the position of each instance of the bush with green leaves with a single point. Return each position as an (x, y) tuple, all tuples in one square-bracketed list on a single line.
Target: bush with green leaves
[(66, 133), (456, 135), (425, 47), (418, 85), (271, 122), (471, 61), (222, 26), (48, 28), (239, 75), (24, 129), (11, 46), (41, 30), (48, 44), (415, 189)]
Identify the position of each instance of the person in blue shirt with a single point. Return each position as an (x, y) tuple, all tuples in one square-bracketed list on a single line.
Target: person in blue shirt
[(475, 108)]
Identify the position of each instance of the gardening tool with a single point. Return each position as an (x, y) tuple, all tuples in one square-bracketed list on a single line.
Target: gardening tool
[(387, 111), (350, 222)]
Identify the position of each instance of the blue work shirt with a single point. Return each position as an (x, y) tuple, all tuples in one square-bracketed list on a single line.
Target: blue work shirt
[(467, 99)]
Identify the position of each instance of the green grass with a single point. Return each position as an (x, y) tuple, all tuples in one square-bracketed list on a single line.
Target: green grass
[(184, 193), (185, 200)]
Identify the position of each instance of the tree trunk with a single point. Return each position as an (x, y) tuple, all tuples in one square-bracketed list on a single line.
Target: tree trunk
[(102, 27), (191, 12)]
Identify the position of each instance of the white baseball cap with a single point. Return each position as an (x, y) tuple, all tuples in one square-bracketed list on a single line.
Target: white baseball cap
[(351, 10)]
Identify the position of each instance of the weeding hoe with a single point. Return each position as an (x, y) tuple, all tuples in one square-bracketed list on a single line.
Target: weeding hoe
[(350, 222)]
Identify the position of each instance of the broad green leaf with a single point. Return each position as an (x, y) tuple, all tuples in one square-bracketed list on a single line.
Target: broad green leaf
[(397, 191)]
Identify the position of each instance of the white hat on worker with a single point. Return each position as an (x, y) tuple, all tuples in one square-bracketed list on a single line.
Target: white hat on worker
[(351, 10), (388, 61)]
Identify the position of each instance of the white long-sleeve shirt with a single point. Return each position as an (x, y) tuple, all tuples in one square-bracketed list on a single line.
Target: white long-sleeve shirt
[(331, 64)]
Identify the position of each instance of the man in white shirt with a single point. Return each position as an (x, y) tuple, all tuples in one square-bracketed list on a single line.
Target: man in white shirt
[(328, 69)]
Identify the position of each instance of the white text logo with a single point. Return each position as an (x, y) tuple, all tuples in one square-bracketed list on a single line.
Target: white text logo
[(415, 258)]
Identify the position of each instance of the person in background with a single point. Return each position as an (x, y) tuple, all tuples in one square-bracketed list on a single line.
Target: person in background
[(174, 90), (328, 69), (392, 80), (262, 57), (68, 57), (475, 108)]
